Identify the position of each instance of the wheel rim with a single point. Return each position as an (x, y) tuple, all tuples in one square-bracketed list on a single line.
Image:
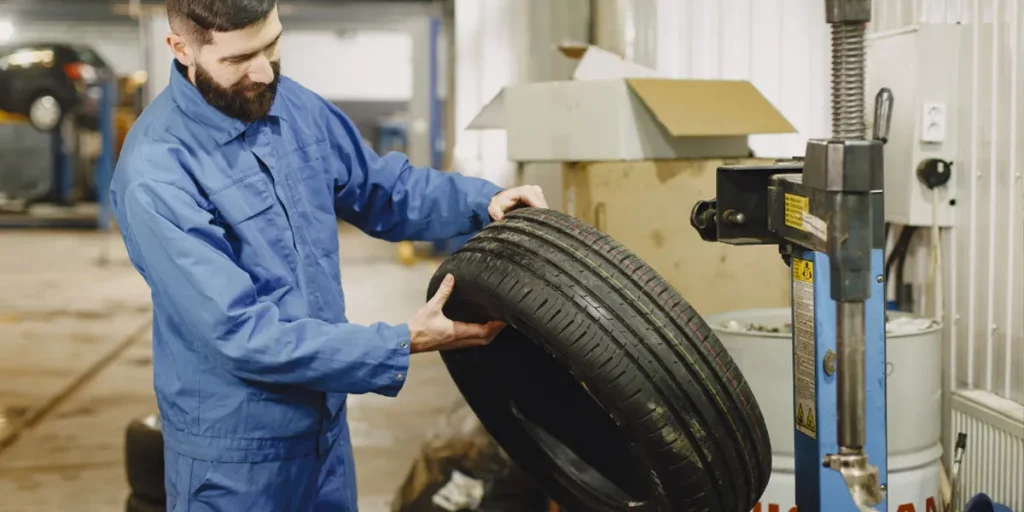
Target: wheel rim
[(45, 112)]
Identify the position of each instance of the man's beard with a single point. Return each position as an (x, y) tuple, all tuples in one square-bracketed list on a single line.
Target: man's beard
[(246, 101)]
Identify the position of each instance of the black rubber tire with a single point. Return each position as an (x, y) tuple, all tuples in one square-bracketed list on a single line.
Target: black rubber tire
[(606, 387), (139, 504), (144, 459)]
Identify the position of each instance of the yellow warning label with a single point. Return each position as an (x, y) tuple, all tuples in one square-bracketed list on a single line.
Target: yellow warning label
[(803, 271), (804, 355), (796, 206)]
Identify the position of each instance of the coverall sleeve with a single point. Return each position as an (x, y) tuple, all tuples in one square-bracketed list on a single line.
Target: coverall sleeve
[(388, 198), (186, 259)]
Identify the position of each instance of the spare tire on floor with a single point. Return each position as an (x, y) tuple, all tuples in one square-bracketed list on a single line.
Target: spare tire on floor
[(144, 459), (606, 387)]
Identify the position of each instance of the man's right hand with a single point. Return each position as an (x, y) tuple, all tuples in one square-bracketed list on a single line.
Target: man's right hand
[(430, 330)]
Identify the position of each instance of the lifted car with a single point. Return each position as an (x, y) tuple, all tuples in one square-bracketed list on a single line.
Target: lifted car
[(47, 81)]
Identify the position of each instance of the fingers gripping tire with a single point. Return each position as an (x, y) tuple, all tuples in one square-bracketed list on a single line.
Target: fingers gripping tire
[(144, 459), (606, 387)]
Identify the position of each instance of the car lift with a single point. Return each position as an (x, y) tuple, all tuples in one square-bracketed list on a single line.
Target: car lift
[(826, 215), (64, 171)]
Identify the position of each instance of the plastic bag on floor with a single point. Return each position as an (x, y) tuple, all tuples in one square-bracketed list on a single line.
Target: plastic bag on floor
[(461, 468)]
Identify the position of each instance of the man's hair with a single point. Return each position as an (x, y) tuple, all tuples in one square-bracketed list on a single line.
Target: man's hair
[(196, 20)]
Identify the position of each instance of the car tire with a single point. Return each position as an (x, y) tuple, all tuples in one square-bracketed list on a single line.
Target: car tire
[(144, 458), (138, 504), (606, 386), (45, 112)]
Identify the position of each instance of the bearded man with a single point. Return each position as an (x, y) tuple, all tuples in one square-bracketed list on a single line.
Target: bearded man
[(227, 192)]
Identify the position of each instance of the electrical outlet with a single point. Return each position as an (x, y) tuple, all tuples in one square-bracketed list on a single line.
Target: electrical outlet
[(933, 122)]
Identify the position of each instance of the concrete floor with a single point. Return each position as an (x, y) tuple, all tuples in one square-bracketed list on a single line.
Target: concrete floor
[(76, 365)]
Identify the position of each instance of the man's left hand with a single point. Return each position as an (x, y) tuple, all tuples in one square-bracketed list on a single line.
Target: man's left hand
[(506, 200)]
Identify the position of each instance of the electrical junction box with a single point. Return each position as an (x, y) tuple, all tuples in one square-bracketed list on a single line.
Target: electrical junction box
[(921, 65)]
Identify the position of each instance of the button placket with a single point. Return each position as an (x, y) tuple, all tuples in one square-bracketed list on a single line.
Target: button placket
[(296, 185), (294, 203), (248, 138)]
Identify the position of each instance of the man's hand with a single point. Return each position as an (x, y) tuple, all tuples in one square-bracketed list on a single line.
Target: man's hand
[(506, 200), (431, 330)]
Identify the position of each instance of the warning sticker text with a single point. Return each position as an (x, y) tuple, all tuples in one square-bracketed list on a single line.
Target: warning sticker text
[(803, 346), (796, 206)]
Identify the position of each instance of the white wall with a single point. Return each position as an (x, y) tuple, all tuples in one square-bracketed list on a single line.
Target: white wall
[(359, 66), (158, 56), (485, 61), (503, 42), (781, 46), (372, 65), (985, 250)]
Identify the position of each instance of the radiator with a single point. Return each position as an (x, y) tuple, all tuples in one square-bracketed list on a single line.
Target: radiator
[(993, 461)]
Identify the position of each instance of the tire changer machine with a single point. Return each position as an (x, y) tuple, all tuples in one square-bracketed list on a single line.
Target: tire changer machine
[(825, 212)]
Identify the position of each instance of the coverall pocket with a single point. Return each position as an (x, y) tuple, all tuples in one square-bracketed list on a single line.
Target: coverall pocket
[(244, 200), (272, 485), (200, 476)]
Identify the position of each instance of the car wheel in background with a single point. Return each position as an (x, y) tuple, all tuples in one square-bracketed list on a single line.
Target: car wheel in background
[(45, 112)]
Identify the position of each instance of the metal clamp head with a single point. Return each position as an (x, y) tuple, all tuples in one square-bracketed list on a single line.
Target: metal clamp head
[(703, 218), (860, 477), (844, 165)]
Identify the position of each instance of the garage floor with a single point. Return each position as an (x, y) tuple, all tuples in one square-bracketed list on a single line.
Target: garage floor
[(75, 366)]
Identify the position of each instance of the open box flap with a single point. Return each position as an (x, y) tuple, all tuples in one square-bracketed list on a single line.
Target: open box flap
[(710, 107), (492, 116)]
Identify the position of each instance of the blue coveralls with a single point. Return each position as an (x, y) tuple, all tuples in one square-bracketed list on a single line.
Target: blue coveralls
[(233, 227)]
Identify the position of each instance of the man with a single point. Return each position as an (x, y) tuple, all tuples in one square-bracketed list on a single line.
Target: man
[(228, 192)]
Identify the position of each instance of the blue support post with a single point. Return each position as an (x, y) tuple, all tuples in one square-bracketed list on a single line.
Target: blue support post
[(818, 488), (63, 163), (437, 140), (105, 163), (436, 127)]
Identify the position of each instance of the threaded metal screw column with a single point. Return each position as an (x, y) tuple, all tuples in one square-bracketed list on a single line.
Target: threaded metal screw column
[(848, 63)]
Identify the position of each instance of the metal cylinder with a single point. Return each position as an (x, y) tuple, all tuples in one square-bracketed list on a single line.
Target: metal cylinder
[(848, 63), (850, 380), (849, 245)]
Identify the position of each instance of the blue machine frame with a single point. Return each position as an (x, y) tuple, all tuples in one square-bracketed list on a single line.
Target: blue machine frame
[(821, 489), (64, 171)]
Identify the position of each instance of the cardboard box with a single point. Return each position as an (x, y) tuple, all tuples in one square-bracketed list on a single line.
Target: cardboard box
[(613, 109), (646, 207)]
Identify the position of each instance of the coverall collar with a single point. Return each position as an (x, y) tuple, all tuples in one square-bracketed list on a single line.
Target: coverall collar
[(192, 103)]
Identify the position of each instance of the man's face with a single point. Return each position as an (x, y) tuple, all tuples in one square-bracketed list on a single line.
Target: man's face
[(238, 72)]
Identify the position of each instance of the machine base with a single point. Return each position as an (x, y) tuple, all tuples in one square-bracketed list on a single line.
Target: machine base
[(819, 488)]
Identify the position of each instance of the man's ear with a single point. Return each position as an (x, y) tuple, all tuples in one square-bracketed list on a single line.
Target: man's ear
[(180, 50)]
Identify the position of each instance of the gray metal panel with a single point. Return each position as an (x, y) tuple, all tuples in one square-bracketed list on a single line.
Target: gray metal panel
[(26, 162)]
